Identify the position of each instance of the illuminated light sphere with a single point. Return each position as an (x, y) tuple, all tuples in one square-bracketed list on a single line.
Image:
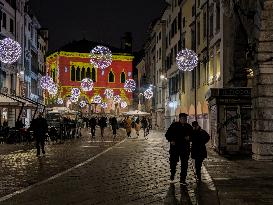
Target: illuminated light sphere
[(46, 82), (97, 99), (103, 105), (130, 85), (123, 104), (148, 94), (10, 51), (73, 99), (109, 93), (60, 101), (82, 104), (101, 57), (117, 99), (87, 84), (52, 89), (75, 92), (186, 60)]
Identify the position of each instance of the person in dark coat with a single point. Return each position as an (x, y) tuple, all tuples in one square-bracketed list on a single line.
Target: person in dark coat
[(144, 123), (179, 135), (103, 125), (198, 149), (40, 128), (114, 124), (92, 124)]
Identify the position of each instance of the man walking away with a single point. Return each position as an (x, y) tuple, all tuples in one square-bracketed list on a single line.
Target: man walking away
[(92, 124), (144, 123), (102, 124), (179, 135), (198, 149), (40, 128), (114, 124)]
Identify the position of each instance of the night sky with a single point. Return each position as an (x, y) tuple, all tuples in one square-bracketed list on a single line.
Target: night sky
[(97, 20)]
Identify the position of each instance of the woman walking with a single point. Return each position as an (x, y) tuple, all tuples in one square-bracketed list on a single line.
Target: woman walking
[(128, 126), (114, 124), (137, 126)]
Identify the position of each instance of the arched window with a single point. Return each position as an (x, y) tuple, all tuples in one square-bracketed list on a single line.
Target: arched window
[(83, 73), (93, 77), (72, 73), (111, 77), (78, 74), (88, 73), (122, 77)]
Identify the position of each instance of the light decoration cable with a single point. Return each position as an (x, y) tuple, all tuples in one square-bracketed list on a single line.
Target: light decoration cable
[(60, 101), (148, 94), (103, 105), (186, 60), (123, 104), (101, 57), (46, 82), (10, 51), (117, 99), (109, 93), (97, 99), (74, 99), (82, 104), (130, 85), (75, 92), (52, 89), (87, 84)]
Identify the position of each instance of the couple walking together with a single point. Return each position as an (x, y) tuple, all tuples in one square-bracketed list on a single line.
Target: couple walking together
[(185, 140)]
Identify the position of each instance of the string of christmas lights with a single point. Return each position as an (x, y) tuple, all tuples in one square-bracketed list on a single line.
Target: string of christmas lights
[(82, 104), (101, 57), (97, 99), (117, 99), (186, 60), (52, 89), (60, 101), (130, 85), (148, 94), (103, 105), (10, 51), (123, 104), (74, 99), (75, 92), (87, 84), (46, 82)]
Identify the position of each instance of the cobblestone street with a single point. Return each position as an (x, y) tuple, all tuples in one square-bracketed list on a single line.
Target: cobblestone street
[(134, 171)]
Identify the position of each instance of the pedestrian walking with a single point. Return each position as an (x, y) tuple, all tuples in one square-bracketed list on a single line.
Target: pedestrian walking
[(137, 126), (198, 149), (92, 124), (114, 125), (40, 128), (128, 126), (145, 127), (102, 124), (179, 135)]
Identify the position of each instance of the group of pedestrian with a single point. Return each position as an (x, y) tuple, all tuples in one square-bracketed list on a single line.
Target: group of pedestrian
[(186, 139)]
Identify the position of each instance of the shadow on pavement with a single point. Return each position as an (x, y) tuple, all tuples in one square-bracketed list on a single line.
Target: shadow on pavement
[(171, 197), (206, 195)]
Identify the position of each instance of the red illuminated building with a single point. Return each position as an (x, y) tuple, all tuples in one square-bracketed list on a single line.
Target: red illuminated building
[(71, 64)]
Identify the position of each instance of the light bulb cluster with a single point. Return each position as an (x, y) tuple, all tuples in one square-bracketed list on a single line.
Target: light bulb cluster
[(82, 104), (52, 89), (103, 105), (130, 85), (97, 99), (75, 92), (123, 104), (60, 101), (101, 57), (74, 99), (148, 94), (10, 51), (117, 99), (46, 82), (87, 84), (186, 60), (109, 93)]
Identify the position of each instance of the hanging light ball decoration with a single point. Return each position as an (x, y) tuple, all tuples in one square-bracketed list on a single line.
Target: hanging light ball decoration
[(109, 93), (123, 104), (52, 89), (148, 94), (82, 104), (130, 85), (46, 82), (60, 101), (87, 84), (75, 92), (97, 99), (74, 99), (10, 51), (117, 99), (186, 60), (101, 57), (103, 105)]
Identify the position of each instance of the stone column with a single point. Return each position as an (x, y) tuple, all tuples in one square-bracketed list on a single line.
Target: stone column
[(262, 146)]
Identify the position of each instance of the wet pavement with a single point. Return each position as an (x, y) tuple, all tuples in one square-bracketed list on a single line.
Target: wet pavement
[(129, 171), (133, 171)]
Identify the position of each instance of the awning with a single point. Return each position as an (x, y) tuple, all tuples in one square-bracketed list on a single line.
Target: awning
[(9, 101)]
